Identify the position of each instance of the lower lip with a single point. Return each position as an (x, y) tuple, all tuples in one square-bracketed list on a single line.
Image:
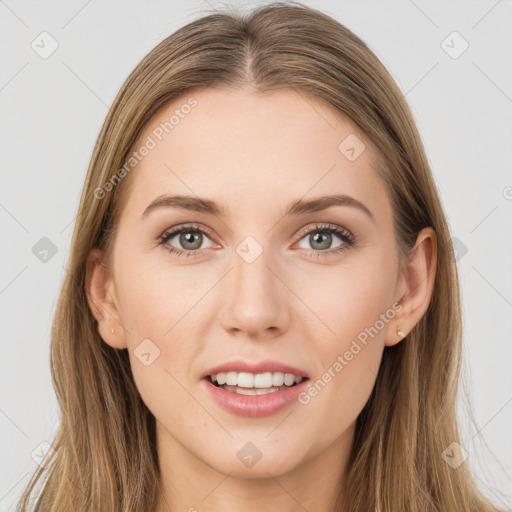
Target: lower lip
[(254, 406)]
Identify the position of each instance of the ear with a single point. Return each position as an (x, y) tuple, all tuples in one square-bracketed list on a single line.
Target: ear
[(101, 296), (416, 285)]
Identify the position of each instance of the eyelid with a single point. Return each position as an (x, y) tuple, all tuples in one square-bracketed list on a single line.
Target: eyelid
[(183, 227), (326, 226)]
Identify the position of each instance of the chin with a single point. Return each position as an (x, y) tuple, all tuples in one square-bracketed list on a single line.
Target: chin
[(253, 459)]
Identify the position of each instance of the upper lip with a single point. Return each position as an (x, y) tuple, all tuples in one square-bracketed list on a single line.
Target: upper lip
[(253, 367)]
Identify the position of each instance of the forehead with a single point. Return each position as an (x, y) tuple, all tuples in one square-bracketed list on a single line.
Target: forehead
[(251, 151)]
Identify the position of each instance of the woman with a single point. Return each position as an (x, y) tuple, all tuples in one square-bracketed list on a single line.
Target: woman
[(262, 305)]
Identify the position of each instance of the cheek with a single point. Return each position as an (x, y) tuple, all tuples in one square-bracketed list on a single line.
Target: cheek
[(159, 306), (355, 307), (350, 301), (154, 296)]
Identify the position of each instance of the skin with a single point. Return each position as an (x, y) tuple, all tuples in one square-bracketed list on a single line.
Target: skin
[(255, 154)]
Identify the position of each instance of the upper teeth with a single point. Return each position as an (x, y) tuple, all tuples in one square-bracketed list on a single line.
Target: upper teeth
[(258, 380)]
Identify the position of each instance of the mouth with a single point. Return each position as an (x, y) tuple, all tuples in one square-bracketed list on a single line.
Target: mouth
[(244, 383), (254, 395)]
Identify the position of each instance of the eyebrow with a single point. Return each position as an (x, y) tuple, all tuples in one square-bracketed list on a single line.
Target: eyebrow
[(297, 207)]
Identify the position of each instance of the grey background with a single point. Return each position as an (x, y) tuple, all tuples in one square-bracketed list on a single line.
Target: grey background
[(52, 110)]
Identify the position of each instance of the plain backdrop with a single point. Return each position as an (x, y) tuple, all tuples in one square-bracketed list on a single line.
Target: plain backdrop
[(452, 60)]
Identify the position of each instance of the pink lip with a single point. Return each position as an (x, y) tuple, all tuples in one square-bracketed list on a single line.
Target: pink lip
[(254, 406), (262, 367)]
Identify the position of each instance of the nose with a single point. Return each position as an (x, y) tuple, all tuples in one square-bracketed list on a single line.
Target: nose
[(256, 298)]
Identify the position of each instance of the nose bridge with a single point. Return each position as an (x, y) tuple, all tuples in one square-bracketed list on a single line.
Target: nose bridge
[(254, 294)]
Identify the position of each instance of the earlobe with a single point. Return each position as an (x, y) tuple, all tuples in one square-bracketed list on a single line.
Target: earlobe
[(419, 284), (100, 292), (396, 337)]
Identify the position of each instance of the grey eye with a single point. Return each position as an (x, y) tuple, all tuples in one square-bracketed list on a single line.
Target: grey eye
[(188, 239), (320, 240)]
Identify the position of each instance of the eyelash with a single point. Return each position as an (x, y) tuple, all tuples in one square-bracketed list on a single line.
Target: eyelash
[(349, 240)]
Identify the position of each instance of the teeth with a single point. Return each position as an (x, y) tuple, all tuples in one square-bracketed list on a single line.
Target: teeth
[(258, 380), (249, 391)]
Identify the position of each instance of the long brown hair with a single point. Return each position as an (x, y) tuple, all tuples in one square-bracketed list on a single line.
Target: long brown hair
[(105, 444)]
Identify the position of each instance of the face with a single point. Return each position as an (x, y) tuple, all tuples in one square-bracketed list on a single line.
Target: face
[(313, 288)]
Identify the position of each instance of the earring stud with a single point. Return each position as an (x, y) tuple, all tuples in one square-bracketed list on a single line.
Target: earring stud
[(399, 332), (113, 331)]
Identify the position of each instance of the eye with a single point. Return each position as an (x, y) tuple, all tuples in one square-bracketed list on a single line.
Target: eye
[(189, 238), (320, 239)]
